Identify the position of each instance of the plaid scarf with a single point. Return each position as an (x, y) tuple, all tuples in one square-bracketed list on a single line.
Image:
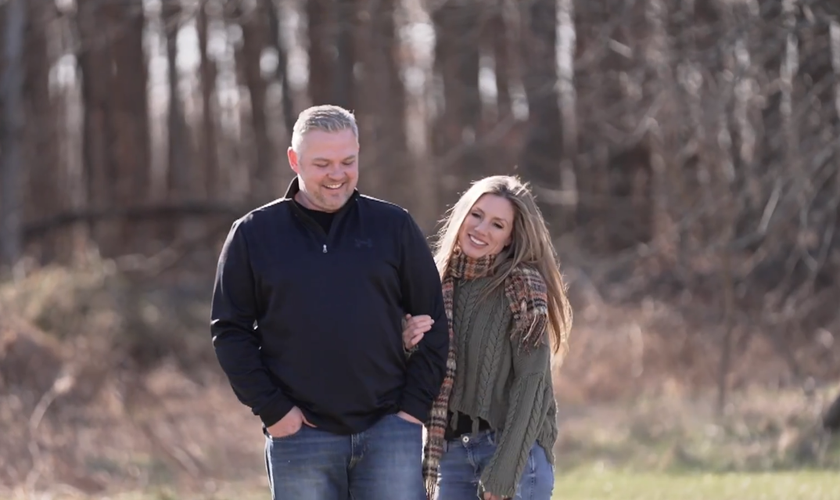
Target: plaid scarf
[(526, 293)]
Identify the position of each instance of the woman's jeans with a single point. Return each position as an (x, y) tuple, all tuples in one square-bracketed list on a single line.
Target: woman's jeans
[(464, 461)]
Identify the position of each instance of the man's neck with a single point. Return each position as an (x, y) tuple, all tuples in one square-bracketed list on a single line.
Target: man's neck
[(301, 198)]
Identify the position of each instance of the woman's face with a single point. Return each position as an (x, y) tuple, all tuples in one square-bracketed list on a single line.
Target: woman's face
[(487, 228)]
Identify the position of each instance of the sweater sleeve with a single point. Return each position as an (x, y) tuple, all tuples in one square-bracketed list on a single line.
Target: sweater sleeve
[(528, 403), (422, 294), (236, 343)]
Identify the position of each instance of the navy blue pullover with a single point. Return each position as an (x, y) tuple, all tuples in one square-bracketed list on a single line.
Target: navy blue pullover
[(302, 317)]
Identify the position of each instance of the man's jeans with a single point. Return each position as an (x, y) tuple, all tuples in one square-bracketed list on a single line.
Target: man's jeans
[(465, 459), (381, 463)]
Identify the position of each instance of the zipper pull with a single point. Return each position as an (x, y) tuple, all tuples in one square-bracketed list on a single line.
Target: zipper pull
[(325, 248)]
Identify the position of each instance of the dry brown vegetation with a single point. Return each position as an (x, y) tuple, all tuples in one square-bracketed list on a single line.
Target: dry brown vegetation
[(684, 152), (105, 384), (111, 386)]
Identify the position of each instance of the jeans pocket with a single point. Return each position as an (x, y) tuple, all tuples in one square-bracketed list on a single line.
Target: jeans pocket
[(415, 424), (287, 436), (532, 463)]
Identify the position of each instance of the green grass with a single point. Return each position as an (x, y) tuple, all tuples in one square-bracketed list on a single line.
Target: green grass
[(594, 484), (612, 485)]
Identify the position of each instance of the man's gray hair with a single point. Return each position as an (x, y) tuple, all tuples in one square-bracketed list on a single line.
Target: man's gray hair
[(326, 117)]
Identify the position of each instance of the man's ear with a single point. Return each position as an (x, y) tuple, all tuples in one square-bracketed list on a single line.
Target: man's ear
[(293, 160)]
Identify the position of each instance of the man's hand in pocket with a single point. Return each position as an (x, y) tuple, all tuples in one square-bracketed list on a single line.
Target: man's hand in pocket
[(289, 424), (408, 418)]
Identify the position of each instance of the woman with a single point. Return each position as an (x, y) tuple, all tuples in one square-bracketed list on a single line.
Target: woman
[(492, 428)]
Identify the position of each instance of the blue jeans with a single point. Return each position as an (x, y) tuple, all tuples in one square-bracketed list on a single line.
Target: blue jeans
[(381, 463), (465, 459)]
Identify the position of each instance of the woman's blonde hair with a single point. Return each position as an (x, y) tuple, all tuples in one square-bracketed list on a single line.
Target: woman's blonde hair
[(530, 245)]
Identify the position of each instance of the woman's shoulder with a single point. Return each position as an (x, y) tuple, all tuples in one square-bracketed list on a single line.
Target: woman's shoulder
[(529, 276), (527, 291)]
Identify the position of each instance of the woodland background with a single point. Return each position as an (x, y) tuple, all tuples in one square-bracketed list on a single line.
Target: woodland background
[(685, 152)]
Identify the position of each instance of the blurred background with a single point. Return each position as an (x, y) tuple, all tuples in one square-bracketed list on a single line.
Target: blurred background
[(685, 152)]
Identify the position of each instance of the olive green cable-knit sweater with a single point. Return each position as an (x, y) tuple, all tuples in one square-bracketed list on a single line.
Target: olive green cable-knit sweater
[(502, 382)]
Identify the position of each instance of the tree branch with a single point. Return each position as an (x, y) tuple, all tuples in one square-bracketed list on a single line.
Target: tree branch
[(187, 209)]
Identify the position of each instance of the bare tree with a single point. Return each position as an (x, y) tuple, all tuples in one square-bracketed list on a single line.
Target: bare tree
[(255, 38), (117, 142), (45, 175), (178, 164), (129, 99), (282, 72), (94, 60), (11, 140), (320, 37), (541, 149), (207, 149), (382, 102), (457, 62)]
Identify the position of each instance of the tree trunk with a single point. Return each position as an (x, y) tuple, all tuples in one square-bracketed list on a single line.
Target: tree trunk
[(94, 61), (11, 139), (116, 144), (382, 117), (47, 174), (603, 53), (458, 34), (178, 166), (131, 117), (499, 35), (343, 80), (498, 132), (282, 73), (208, 148), (321, 69), (542, 148), (254, 40)]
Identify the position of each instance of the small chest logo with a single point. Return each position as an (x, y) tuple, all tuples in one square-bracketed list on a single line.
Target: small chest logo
[(367, 243)]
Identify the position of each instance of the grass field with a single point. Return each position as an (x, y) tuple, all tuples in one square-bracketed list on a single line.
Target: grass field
[(735, 486), (614, 485), (178, 433), (767, 447)]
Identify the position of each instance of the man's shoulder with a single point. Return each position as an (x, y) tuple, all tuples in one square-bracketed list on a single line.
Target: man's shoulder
[(265, 213), (383, 208)]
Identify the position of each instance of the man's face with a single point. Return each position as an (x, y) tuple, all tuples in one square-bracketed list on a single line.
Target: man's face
[(328, 168)]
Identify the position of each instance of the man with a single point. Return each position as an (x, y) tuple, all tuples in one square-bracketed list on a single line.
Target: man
[(307, 312)]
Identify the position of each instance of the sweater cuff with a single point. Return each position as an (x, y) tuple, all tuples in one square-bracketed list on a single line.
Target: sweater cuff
[(275, 410), (498, 485), (415, 407)]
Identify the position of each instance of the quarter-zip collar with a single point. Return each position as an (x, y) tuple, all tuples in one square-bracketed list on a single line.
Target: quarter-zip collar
[(326, 239)]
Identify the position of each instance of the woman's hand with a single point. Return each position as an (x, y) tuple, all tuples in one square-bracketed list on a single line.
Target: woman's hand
[(414, 327)]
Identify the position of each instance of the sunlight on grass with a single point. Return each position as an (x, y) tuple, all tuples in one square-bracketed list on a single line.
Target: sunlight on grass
[(613, 485)]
